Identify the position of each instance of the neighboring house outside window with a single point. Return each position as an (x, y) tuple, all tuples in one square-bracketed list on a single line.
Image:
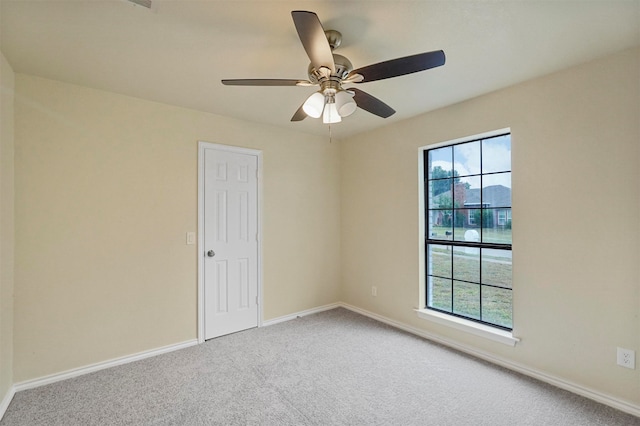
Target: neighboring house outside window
[(468, 223)]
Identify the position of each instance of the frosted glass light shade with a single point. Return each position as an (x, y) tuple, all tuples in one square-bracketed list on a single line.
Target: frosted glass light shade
[(331, 114), (345, 103), (313, 105)]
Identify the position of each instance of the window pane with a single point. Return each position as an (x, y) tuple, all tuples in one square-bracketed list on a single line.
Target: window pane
[(496, 267), (466, 299), (496, 306), (440, 162), (439, 293), (440, 195), (496, 190), (440, 225), (496, 154), (466, 264), (439, 260), (466, 158), (496, 226)]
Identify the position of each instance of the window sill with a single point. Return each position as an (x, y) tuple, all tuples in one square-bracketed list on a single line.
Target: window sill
[(481, 330)]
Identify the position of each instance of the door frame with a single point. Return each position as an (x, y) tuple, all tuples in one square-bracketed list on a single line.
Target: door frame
[(202, 145)]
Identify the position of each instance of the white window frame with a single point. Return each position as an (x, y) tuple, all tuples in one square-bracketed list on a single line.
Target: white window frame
[(477, 329)]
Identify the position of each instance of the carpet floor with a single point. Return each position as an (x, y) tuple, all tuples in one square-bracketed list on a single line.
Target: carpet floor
[(332, 368)]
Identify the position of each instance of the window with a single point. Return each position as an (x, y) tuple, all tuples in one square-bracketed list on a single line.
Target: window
[(502, 217), (468, 230), (472, 219)]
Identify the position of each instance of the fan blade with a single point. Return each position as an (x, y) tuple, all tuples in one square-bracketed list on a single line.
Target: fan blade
[(299, 115), (400, 66), (266, 82), (313, 39), (372, 104)]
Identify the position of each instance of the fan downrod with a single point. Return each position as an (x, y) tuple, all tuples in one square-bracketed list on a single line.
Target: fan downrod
[(334, 38)]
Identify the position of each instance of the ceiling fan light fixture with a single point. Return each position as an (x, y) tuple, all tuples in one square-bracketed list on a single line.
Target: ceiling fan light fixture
[(330, 114), (314, 105), (345, 104)]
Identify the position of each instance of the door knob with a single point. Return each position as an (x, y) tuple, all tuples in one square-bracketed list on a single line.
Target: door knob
[(211, 253)]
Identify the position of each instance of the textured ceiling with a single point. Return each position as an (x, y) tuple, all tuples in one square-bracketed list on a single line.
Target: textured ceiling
[(178, 51)]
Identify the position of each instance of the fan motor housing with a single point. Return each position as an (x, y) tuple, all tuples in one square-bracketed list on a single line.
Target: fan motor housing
[(343, 68)]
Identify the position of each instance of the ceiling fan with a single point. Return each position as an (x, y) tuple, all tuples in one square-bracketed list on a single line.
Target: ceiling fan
[(331, 71)]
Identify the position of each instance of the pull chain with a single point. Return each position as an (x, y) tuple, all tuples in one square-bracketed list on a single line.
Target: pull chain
[(330, 135)]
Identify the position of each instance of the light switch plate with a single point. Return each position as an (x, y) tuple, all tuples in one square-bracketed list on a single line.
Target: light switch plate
[(191, 238)]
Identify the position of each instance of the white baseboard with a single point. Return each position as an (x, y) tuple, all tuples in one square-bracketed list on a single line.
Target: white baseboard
[(7, 400), (52, 378), (622, 405), (301, 314)]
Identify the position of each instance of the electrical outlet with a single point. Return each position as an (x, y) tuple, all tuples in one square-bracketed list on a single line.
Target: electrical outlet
[(374, 291), (626, 358)]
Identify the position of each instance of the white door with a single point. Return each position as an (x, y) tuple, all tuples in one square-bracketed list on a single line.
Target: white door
[(230, 242)]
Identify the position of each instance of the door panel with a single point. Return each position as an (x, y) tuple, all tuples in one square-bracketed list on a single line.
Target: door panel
[(230, 230)]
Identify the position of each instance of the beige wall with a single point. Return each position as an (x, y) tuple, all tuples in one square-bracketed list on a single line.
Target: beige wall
[(7, 80), (106, 188), (576, 212)]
